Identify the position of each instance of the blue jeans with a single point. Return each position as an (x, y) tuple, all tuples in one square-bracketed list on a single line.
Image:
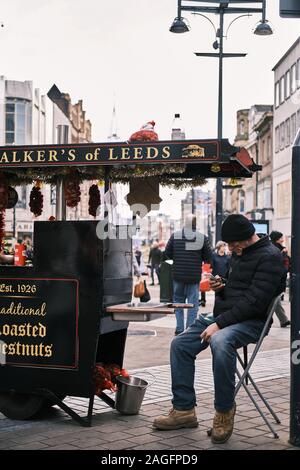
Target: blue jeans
[(223, 343), (181, 293)]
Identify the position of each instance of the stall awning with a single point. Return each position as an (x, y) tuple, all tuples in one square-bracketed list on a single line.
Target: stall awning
[(186, 158)]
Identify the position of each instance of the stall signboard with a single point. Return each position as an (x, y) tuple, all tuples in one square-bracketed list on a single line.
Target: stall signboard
[(35, 315), (192, 151)]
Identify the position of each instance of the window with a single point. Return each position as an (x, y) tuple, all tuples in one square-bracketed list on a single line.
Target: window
[(269, 149), (18, 122), (267, 193), (298, 73), (282, 136), (287, 132), (293, 127), (264, 194), (287, 85), (62, 134), (242, 127), (281, 90), (284, 199), (241, 201), (277, 95), (263, 152), (249, 201), (277, 139), (293, 79), (298, 119)]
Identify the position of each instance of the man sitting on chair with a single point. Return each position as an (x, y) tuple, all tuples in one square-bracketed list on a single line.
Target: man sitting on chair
[(256, 275)]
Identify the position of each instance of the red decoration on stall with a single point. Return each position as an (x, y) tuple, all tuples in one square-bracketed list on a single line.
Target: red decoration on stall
[(105, 377), (94, 199), (36, 199), (72, 188), (146, 133), (2, 228), (3, 193)]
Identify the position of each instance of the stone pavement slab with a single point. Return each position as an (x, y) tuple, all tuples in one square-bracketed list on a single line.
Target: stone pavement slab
[(113, 431)]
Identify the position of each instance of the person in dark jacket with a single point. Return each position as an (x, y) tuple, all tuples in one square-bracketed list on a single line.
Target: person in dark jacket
[(187, 248), (154, 261), (277, 240), (255, 277), (220, 260)]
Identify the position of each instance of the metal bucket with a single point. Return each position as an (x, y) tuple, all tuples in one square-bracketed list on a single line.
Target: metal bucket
[(130, 394)]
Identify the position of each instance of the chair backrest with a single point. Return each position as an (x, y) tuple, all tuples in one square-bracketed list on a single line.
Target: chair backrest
[(246, 364)]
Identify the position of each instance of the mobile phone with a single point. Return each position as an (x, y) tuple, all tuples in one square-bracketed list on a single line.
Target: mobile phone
[(213, 278)]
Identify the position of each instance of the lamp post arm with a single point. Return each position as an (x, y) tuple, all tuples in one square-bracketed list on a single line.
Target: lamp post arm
[(248, 14), (200, 14)]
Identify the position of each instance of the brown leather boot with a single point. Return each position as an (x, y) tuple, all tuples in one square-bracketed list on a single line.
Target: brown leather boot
[(176, 419), (222, 426)]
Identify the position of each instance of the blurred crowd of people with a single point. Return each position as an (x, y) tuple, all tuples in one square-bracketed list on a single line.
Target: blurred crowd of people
[(217, 259)]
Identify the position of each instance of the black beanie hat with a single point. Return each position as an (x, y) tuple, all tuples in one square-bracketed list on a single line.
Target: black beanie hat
[(275, 235), (236, 227)]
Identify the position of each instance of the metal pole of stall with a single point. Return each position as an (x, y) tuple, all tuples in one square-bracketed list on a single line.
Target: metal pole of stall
[(295, 299), (219, 195)]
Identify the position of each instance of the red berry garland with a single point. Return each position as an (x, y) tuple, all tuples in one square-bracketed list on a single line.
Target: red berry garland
[(2, 228), (36, 200), (3, 193), (3, 206), (94, 199), (72, 189)]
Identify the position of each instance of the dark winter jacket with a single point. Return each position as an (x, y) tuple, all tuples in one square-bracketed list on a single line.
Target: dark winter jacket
[(188, 249), (155, 256), (254, 279), (220, 264), (285, 256)]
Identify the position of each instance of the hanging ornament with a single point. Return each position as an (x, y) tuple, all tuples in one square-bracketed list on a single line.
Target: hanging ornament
[(94, 199), (2, 228), (36, 199), (3, 193), (72, 188)]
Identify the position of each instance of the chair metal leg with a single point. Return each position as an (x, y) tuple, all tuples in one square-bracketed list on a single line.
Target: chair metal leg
[(268, 406), (245, 352), (272, 412), (257, 406)]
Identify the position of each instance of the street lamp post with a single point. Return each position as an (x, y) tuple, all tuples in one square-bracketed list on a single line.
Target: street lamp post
[(179, 26)]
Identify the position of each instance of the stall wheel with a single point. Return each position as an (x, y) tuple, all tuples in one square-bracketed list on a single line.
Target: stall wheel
[(20, 405)]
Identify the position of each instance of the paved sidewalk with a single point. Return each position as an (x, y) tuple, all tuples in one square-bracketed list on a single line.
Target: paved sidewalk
[(147, 356), (113, 431), (54, 430)]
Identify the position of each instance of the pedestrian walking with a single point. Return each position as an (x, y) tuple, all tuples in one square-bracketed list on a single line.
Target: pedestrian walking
[(154, 261), (220, 260), (188, 248), (256, 276), (278, 240)]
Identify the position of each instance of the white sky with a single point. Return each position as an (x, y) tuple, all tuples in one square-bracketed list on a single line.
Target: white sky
[(94, 49)]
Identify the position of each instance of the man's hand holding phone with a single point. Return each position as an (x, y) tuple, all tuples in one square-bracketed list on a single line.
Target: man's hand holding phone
[(215, 282)]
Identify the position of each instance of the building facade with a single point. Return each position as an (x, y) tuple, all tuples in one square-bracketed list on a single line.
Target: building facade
[(286, 124), (23, 122), (71, 126), (29, 118), (253, 196)]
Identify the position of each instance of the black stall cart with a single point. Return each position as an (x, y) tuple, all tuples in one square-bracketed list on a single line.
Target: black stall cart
[(63, 315)]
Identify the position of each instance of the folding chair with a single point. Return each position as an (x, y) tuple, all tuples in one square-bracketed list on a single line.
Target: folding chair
[(245, 377)]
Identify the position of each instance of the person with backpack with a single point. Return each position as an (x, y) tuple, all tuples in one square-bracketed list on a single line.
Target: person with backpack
[(188, 248)]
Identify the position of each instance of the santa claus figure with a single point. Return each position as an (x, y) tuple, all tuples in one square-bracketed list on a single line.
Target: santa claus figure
[(146, 133)]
